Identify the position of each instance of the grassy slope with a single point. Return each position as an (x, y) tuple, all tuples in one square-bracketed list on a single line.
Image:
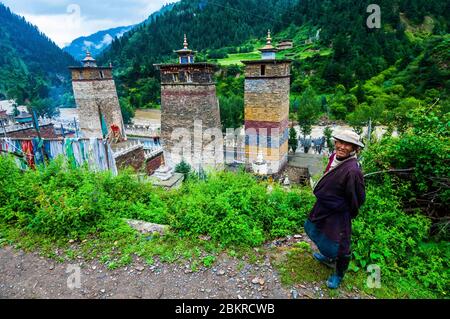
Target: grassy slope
[(298, 52)]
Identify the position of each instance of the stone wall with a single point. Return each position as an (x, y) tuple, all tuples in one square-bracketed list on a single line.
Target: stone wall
[(266, 98), (268, 87), (198, 73), (80, 74), (273, 68), (94, 94), (134, 159), (297, 175), (193, 111), (267, 127), (153, 164), (46, 131)]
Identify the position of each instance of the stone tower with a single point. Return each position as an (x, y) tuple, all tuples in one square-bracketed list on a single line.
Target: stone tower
[(267, 87), (96, 99), (190, 117)]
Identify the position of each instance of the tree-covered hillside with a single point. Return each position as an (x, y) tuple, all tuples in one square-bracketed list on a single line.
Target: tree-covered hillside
[(340, 65), (32, 67), (208, 25)]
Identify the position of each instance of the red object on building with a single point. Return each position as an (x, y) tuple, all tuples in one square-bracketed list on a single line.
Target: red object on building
[(27, 148), (115, 128)]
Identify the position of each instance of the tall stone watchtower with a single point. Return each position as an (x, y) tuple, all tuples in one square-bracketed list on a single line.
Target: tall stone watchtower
[(96, 98), (267, 88), (190, 116)]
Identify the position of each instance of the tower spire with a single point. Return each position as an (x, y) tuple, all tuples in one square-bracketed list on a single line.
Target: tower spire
[(185, 55), (185, 43), (269, 39), (268, 51), (89, 61)]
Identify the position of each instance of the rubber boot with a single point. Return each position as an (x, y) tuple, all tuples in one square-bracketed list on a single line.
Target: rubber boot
[(329, 262), (334, 281)]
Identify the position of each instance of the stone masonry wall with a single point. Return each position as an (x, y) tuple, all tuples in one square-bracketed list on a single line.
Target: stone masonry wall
[(93, 93), (266, 101), (181, 106), (46, 131), (153, 164), (134, 159), (91, 73), (89, 97), (297, 175), (187, 73), (272, 68)]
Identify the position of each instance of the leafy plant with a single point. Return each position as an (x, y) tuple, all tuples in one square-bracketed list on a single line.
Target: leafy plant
[(293, 141), (328, 132), (208, 261), (183, 168), (308, 112)]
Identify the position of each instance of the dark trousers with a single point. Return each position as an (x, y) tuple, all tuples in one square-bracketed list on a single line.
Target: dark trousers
[(342, 263)]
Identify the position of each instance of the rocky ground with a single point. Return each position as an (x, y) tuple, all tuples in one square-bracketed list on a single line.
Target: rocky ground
[(29, 275)]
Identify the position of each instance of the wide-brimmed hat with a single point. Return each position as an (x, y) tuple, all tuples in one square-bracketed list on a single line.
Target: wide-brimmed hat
[(349, 137)]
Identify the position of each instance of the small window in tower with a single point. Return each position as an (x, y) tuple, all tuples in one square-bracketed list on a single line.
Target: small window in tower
[(175, 77), (81, 75), (102, 75), (263, 70)]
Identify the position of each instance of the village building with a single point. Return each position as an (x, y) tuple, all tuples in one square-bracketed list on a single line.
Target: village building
[(8, 109), (4, 118), (96, 99), (285, 44), (266, 99), (190, 116)]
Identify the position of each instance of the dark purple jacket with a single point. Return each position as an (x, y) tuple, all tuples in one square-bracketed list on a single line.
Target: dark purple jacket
[(340, 193)]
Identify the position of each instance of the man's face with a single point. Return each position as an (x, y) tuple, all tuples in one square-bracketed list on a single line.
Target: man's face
[(343, 149)]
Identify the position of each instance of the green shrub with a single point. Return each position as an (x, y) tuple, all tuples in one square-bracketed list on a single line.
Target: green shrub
[(233, 208), (208, 261), (183, 168), (398, 242), (424, 148), (236, 209)]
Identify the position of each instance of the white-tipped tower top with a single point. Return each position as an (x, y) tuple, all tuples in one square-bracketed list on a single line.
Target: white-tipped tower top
[(89, 61), (185, 44), (185, 55), (268, 51)]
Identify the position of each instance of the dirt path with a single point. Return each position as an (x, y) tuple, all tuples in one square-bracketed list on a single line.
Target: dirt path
[(28, 275)]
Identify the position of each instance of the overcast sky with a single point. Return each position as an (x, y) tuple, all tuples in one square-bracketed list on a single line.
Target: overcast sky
[(66, 20)]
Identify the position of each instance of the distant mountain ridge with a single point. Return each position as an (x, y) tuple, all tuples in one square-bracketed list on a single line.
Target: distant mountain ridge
[(95, 43)]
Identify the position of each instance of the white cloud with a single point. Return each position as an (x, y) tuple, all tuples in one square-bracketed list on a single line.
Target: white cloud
[(65, 20), (120, 34), (107, 39), (63, 30), (87, 44)]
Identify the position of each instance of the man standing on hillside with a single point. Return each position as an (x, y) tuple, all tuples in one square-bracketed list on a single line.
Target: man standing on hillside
[(340, 193)]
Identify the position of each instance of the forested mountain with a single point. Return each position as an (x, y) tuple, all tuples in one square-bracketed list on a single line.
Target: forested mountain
[(361, 52), (208, 25), (357, 53), (32, 67)]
